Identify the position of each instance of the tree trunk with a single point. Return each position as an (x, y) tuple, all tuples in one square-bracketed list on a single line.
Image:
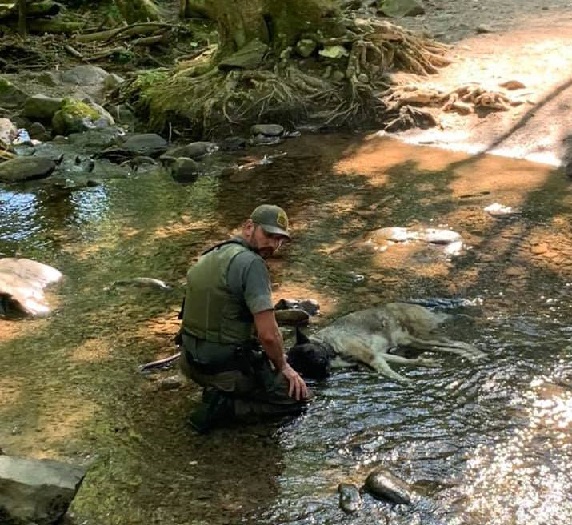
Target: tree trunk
[(22, 14), (138, 10), (284, 62), (276, 23)]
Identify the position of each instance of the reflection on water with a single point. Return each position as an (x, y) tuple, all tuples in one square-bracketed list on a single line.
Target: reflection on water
[(485, 443), (34, 216)]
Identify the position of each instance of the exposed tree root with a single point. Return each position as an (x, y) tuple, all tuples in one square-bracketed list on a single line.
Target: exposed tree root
[(339, 91), (465, 99)]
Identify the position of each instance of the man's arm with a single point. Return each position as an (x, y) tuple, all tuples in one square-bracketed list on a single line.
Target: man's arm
[(271, 340), (248, 276)]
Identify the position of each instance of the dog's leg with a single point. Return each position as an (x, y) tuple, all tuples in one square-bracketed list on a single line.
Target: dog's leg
[(419, 361), (379, 364), (454, 347)]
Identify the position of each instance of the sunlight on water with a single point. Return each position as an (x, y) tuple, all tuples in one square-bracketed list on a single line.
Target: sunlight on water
[(525, 479), (484, 443), (16, 212)]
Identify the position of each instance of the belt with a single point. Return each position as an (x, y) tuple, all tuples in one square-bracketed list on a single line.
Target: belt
[(243, 360)]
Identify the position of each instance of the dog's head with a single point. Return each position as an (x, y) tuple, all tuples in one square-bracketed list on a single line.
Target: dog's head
[(311, 359)]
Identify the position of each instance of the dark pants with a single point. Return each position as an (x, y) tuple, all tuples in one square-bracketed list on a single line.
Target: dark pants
[(246, 375)]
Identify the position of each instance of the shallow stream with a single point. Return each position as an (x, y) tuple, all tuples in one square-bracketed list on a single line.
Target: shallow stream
[(479, 443)]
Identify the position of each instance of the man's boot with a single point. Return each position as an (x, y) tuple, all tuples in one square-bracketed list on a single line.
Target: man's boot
[(215, 409)]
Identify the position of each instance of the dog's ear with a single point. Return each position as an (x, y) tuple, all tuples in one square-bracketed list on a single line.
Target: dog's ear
[(301, 337)]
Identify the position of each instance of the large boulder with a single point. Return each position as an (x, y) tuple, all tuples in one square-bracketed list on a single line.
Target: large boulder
[(149, 144), (76, 116), (21, 286), (84, 75), (26, 168), (41, 107), (36, 492), (11, 96)]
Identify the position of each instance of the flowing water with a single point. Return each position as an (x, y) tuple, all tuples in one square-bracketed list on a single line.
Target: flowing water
[(486, 442)]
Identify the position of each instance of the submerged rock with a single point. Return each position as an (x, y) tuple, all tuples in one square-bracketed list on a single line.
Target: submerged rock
[(382, 484), (194, 150), (350, 498), (26, 168)]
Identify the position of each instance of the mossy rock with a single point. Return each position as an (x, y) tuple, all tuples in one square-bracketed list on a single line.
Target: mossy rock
[(10, 95), (74, 116)]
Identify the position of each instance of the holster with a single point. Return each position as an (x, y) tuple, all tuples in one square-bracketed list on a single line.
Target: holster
[(248, 359)]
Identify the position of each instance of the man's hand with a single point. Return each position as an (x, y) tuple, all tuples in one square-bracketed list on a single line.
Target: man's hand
[(298, 389), (271, 341)]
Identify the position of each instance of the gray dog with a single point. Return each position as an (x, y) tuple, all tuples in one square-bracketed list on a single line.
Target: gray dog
[(373, 337)]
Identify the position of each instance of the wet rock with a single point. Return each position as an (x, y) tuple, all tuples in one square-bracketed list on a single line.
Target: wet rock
[(26, 168), (350, 498), (49, 78), (76, 116), (403, 234), (194, 150), (10, 95), (95, 140), (84, 75), (439, 236), (71, 165), (264, 140), (535, 249), (149, 144), (21, 286), (382, 484), (185, 170), (39, 132), (116, 154), (399, 8), (41, 107), (37, 491), (105, 170), (233, 144), (498, 210), (484, 29), (140, 162), (268, 130), (121, 113)]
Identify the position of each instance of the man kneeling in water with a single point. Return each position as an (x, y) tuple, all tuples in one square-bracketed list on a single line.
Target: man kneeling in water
[(228, 300)]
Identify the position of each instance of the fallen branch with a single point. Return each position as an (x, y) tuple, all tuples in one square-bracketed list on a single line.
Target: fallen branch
[(139, 29), (73, 52), (166, 362)]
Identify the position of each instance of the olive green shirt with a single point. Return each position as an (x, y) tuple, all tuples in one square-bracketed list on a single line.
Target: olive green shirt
[(248, 277)]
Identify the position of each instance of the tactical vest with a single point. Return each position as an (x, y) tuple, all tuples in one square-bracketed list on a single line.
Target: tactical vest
[(211, 312)]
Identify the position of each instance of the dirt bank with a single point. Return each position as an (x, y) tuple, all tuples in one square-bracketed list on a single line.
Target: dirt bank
[(494, 42)]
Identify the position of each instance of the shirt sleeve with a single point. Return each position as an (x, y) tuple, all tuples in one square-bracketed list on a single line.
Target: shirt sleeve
[(248, 277)]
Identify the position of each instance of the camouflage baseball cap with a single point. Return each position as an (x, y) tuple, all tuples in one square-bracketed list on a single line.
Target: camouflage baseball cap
[(272, 219)]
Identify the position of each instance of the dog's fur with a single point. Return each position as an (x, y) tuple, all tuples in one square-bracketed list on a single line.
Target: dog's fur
[(372, 337)]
